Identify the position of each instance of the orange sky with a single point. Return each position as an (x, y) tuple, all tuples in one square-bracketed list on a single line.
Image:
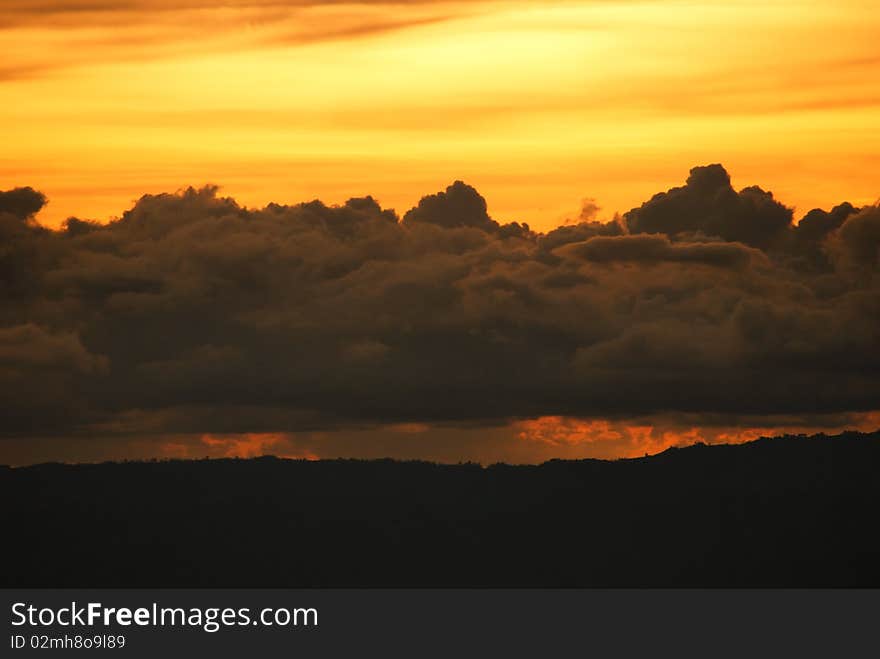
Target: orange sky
[(528, 441), (537, 104)]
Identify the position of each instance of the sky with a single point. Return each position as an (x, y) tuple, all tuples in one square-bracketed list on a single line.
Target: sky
[(545, 229), (540, 105)]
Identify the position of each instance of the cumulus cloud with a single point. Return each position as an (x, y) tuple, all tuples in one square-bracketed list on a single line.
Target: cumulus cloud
[(857, 243), (193, 314), (21, 203), (657, 248), (461, 206), (707, 204)]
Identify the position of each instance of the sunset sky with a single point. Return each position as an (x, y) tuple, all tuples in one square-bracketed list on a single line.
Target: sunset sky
[(220, 321), (539, 105)]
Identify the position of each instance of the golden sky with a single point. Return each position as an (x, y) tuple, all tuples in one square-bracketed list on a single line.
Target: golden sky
[(539, 105)]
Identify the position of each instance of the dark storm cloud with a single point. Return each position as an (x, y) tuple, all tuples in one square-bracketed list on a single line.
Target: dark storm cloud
[(707, 204), (657, 248), (21, 202), (458, 207), (193, 314), (857, 243)]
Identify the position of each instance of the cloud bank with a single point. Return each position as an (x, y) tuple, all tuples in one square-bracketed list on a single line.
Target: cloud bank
[(193, 314)]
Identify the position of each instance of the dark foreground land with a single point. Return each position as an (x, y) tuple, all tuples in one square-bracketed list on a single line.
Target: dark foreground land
[(777, 512)]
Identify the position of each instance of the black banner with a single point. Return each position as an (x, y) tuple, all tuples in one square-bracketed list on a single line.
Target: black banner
[(448, 623)]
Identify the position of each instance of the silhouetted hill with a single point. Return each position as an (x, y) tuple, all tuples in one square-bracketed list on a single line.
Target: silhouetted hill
[(795, 511)]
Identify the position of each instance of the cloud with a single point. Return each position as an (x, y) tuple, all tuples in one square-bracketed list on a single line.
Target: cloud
[(655, 248), (31, 347), (193, 314), (76, 33), (31, 11), (459, 206), (707, 204), (856, 244), (589, 210), (21, 202)]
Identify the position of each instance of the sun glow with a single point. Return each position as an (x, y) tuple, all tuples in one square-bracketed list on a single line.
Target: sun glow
[(537, 105)]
